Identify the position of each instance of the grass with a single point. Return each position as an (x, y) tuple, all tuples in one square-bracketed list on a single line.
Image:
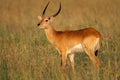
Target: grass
[(25, 53)]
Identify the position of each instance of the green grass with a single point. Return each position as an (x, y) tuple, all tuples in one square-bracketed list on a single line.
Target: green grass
[(25, 53)]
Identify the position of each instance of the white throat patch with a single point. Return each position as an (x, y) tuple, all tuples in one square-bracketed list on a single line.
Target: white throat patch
[(40, 27)]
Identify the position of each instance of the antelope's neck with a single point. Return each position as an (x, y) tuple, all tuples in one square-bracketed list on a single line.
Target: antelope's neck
[(51, 34)]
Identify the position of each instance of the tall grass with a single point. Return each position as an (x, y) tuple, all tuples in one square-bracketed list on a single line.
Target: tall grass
[(25, 53)]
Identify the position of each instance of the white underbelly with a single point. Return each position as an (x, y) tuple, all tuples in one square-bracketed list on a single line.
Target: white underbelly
[(77, 48)]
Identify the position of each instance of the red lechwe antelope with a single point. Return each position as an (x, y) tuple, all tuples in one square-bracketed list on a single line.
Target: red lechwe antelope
[(70, 42)]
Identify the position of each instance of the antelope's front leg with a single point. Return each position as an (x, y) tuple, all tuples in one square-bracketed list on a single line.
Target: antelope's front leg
[(71, 56), (63, 60)]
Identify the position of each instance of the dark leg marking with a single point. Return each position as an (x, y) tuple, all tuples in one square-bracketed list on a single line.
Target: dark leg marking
[(96, 52)]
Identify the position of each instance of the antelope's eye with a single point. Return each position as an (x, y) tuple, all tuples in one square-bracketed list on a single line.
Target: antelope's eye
[(46, 20)]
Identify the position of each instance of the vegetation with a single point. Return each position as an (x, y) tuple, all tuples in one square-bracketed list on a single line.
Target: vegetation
[(25, 53)]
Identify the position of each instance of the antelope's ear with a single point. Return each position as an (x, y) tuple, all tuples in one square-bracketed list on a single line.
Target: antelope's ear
[(39, 17), (51, 18)]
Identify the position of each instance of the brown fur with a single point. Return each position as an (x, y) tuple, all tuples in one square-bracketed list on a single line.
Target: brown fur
[(65, 40)]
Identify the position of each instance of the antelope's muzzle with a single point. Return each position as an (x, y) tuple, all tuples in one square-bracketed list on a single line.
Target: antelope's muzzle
[(38, 24)]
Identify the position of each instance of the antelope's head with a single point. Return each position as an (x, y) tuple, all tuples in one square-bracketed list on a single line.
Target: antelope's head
[(44, 20)]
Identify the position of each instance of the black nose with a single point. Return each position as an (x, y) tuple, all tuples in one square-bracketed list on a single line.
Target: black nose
[(38, 24)]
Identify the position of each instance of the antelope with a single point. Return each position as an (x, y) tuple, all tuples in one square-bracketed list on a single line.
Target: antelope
[(70, 42)]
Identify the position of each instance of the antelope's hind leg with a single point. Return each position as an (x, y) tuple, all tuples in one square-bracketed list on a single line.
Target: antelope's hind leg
[(91, 46), (94, 58)]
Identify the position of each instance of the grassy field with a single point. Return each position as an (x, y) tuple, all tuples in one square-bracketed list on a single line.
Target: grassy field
[(25, 53)]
